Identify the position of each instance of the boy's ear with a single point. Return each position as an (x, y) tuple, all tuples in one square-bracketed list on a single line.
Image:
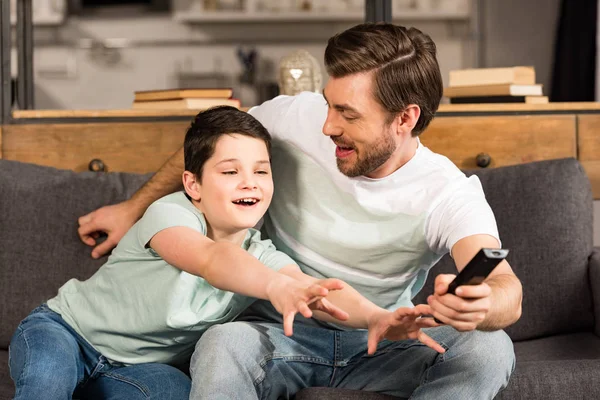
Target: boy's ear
[(191, 185)]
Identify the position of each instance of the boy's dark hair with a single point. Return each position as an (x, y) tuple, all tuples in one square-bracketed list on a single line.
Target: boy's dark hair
[(208, 126), (404, 61)]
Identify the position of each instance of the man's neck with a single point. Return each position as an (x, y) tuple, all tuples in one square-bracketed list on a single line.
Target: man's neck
[(401, 156)]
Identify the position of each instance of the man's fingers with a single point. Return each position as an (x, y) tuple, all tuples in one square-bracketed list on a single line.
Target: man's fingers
[(428, 341), (474, 291), (331, 284), (457, 308), (103, 248), (326, 306), (84, 219), (88, 239), (441, 283)]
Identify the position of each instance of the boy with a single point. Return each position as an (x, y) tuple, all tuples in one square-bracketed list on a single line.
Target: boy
[(169, 279)]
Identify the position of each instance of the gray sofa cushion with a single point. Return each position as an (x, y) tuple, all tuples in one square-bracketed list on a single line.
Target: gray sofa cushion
[(7, 389), (37, 255), (558, 367), (545, 217)]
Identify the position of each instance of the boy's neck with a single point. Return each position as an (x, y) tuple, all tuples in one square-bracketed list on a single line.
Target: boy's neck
[(236, 237)]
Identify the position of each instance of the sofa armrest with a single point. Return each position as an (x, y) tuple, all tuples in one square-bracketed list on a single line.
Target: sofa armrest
[(594, 270)]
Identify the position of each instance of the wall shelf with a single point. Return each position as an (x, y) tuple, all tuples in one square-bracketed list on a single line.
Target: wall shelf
[(309, 16)]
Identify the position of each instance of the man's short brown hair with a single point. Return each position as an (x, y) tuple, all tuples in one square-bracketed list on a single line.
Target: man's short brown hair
[(404, 63)]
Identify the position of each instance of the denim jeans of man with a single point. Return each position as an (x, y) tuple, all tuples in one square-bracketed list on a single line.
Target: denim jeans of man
[(250, 359), (49, 360)]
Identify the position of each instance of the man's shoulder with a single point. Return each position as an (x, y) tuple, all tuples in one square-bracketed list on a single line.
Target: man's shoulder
[(283, 112), (438, 165), (301, 100)]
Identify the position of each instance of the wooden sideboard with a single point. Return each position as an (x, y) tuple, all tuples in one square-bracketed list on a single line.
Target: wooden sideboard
[(141, 141)]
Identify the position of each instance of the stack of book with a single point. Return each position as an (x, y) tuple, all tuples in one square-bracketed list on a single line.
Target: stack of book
[(494, 85), (193, 99)]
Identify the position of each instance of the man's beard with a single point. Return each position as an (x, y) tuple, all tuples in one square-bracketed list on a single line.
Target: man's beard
[(370, 160)]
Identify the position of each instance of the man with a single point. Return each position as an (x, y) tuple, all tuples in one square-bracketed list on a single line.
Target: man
[(367, 203)]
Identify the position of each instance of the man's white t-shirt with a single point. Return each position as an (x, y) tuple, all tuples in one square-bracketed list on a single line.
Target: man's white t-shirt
[(380, 235)]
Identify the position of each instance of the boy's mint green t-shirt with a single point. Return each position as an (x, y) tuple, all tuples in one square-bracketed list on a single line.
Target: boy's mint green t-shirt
[(137, 308)]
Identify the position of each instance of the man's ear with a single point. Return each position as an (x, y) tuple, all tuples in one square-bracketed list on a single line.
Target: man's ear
[(191, 185), (407, 119)]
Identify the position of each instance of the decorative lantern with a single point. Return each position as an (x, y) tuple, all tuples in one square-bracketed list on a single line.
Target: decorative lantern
[(299, 72)]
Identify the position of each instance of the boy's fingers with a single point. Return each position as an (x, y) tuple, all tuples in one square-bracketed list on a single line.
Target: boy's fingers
[(426, 323), (428, 341), (423, 309), (316, 290), (304, 309), (288, 323), (372, 343)]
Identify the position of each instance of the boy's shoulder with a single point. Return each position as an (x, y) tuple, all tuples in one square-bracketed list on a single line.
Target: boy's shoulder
[(175, 208)]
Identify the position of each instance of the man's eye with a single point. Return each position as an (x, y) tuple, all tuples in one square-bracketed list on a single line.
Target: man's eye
[(350, 119), (229, 172)]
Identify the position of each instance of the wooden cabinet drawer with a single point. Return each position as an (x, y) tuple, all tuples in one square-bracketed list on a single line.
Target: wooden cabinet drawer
[(508, 140), (129, 147)]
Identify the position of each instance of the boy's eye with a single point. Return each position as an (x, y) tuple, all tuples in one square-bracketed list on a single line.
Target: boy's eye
[(262, 172), (229, 172)]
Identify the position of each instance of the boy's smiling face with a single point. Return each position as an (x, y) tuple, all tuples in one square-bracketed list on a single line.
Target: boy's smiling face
[(236, 187)]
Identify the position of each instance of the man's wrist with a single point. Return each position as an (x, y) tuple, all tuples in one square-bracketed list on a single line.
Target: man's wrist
[(375, 314)]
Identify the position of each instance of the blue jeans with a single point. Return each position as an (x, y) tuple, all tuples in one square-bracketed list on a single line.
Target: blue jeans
[(49, 360), (250, 360)]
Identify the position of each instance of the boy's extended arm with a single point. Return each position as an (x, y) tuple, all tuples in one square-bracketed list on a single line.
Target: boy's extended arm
[(228, 267), (115, 220)]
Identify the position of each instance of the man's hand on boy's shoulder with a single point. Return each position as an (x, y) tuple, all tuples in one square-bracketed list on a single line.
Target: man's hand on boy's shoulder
[(401, 324), (114, 221)]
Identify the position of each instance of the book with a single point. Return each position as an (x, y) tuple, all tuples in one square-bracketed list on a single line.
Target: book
[(494, 90), (492, 76), (173, 94), (190, 104), (500, 99)]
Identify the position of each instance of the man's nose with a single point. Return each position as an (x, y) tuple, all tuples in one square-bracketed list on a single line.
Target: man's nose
[(331, 127)]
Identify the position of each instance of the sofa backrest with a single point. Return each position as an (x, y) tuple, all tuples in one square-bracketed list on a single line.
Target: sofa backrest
[(39, 246), (544, 212)]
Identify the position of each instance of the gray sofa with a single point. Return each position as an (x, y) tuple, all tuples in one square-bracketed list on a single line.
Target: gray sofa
[(544, 212)]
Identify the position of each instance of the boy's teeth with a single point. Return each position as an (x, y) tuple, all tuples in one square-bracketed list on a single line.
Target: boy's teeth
[(247, 200)]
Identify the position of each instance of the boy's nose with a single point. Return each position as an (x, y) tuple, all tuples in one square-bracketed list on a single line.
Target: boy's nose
[(249, 182)]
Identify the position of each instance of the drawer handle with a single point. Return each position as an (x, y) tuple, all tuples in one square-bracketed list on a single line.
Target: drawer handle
[(483, 160), (97, 165)]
